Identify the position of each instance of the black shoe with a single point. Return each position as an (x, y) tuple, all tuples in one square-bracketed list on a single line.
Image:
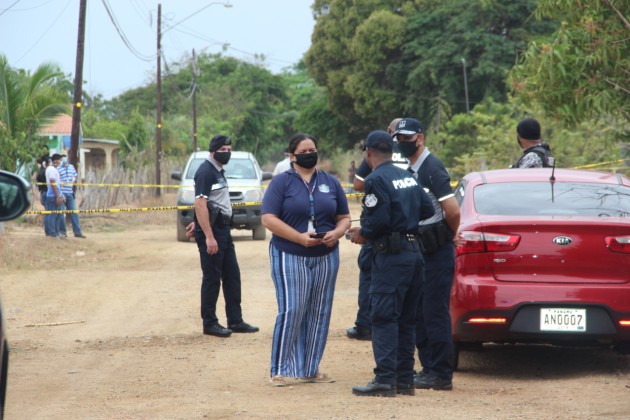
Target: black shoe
[(243, 327), (217, 330), (405, 389), (80, 235), (359, 333), (375, 389), (432, 382)]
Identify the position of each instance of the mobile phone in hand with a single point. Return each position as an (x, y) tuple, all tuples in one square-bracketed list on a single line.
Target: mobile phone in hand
[(319, 235)]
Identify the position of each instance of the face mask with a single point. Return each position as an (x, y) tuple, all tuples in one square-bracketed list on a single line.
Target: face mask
[(222, 157), (306, 160), (64, 160), (407, 148)]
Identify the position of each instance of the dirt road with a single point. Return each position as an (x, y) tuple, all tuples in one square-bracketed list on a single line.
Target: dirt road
[(108, 328)]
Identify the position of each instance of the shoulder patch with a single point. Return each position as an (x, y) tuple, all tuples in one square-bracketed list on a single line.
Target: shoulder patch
[(370, 200)]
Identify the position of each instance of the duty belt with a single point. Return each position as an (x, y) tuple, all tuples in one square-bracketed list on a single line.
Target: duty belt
[(396, 242)]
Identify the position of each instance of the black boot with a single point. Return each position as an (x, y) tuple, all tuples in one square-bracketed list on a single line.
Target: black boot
[(375, 389), (359, 333)]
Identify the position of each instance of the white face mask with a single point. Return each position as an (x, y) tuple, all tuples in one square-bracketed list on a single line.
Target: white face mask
[(64, 160)]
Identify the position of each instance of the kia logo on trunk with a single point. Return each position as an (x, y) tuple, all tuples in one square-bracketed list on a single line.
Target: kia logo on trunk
[(562, 240)]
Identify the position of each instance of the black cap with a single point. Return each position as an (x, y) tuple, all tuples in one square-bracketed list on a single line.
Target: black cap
[(218, 142), (380, 140), (408, 127), (529, 129)]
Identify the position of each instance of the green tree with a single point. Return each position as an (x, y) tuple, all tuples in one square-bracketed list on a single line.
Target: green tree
[(405, 57), (584, 70), (26, 102)]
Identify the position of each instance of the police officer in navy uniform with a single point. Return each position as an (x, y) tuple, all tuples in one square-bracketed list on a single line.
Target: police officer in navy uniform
[(213, 214), (392, 207), (362, 329), (434, 331)]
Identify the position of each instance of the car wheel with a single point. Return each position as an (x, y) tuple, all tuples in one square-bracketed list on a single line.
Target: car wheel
[(259, 233), (181, 233), (622, 347)]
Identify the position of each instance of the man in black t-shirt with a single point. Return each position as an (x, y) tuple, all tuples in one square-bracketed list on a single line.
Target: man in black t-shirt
[(213, 213)]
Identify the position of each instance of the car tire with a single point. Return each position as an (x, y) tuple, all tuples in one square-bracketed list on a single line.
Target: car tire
[(259, 233), (622, 347), (181, 233)]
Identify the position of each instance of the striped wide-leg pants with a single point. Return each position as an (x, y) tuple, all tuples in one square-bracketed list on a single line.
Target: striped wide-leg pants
[(304, 291)]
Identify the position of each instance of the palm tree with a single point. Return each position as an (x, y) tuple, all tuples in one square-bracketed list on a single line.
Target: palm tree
[(26, 102)]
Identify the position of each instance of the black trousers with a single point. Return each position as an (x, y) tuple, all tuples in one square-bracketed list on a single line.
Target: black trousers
[(365, 279), (219, 269), (394, 295), (434, 334)]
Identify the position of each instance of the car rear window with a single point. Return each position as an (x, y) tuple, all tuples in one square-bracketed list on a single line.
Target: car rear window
[(235, 169), (559, 198)]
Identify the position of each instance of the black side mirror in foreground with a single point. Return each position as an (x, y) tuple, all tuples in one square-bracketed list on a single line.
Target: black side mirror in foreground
[(14, 196)]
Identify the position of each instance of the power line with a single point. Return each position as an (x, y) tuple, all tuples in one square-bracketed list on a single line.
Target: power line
[(45, 32), (123, 37), (8, 8)]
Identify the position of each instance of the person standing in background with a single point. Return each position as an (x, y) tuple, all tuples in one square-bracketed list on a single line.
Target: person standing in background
[(40, 179), (54, 198), (68, 176), (283, 165), (362, 329), (536, 153)]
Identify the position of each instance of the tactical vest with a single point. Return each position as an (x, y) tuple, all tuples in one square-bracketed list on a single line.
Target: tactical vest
[(542, 150)]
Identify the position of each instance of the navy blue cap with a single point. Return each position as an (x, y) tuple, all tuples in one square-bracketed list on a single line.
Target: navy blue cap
[(218, 142), (380, 140), (408, 127)]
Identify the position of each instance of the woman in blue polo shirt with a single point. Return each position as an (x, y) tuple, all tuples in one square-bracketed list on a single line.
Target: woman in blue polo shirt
[(307, 211)]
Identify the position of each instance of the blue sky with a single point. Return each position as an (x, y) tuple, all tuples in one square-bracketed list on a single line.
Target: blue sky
[(37, 31)]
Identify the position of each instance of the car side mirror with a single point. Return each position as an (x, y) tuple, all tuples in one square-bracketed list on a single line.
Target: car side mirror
[(266, 176), (14, 196), (176, 175)]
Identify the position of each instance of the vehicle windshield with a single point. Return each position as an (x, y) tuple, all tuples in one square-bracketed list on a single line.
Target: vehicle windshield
[(235, 169), (559, 198)]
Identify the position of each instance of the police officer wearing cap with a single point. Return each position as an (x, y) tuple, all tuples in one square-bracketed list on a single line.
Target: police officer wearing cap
[(536, 153), (362, 329), (434, 332), (391, 213), (213, 214)]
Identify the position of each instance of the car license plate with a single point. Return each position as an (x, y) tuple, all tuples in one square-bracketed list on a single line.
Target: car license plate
[(563, 319)]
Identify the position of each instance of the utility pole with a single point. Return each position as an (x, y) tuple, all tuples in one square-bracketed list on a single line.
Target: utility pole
[(194, 100), (158, 128), (78, 89), (466, 85)]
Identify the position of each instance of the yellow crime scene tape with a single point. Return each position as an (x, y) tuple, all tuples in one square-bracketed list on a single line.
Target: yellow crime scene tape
[(253, 203)]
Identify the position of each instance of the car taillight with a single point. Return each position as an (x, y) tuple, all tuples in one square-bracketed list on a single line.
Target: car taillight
[(479, 320), (487, 242), (619, 244), (624, 322)]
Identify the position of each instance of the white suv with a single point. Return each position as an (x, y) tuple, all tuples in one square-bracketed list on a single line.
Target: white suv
[(244, 178)]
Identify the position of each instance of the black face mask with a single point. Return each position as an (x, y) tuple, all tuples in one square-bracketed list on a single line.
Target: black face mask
[(407, 148), (306, 160), (222, 157)]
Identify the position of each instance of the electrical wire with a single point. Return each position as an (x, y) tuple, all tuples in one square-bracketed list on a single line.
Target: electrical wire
[(45, 32), (123, 37), (8, 8)]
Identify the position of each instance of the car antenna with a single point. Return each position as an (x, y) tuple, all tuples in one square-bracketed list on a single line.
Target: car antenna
[(552, 162), (552, 179)]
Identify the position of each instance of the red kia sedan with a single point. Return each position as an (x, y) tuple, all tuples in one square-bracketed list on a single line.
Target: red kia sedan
[(546, 259)]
